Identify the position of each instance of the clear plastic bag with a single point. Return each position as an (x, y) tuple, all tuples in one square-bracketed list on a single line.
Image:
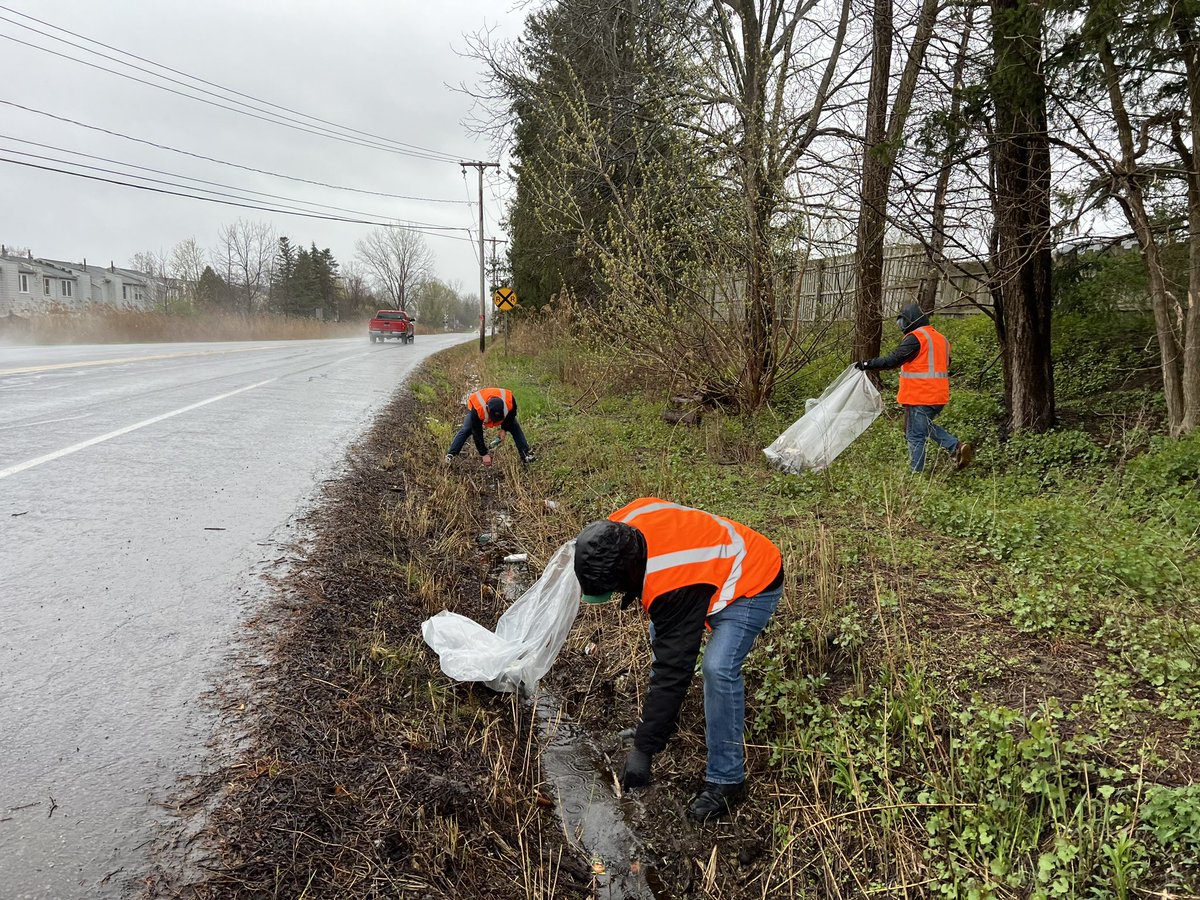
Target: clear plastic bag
[(527, 638), (829, 425)]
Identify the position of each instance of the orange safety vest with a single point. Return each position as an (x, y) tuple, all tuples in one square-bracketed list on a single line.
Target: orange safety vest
[(925, 379), (686, 546), (478, 401)]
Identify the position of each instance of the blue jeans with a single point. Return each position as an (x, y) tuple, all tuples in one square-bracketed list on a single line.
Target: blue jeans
[(733, 632), (472, 424), (919, 427)]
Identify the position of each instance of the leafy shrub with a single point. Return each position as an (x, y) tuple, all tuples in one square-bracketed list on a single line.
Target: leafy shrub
[(1172, 815), (1093, 354), (1058, 453), (974, 350)]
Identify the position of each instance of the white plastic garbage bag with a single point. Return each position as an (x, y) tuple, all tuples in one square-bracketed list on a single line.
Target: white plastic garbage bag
[(829, 425), (526, 640)]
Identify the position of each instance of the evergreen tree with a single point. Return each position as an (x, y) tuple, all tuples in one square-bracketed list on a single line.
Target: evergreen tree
[(325, 269), (282, 278), (212, 292), (306, 292)]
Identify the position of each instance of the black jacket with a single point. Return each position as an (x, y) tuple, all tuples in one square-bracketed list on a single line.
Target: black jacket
[(912, 319), (678, 618)]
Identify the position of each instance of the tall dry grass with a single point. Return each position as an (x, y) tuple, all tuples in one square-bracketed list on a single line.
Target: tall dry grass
[(119, 326)]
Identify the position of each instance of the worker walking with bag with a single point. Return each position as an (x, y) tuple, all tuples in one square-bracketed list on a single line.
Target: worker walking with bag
[(923, 357), (490, 407), (690, 569)]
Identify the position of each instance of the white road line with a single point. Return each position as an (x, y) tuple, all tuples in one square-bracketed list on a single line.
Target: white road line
[(42, 422), (26, 370), (91, 442)]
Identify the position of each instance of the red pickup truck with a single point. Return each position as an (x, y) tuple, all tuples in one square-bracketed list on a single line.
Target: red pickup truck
[(391, 323)]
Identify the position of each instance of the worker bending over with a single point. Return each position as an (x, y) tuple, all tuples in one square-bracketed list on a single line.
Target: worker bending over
[(690, 569), (490, 407)]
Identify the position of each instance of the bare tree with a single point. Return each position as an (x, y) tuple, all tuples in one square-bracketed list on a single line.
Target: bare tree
[(245, 253), (398, 260), (355, 296), (150, 262), (156, 264), (186, 266), (936, 248), (883, 134), (767, 105), (1154, 111)]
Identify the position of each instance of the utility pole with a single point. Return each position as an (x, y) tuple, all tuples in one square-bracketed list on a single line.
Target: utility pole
[(482, 287), (493, 274)]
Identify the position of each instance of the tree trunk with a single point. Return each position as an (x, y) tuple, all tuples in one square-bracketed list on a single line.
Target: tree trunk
[(1189, 313), (882, 137), (759, 371), (1022, 212), (1134, 206), (760, 316), (873, 193), (936, 250)]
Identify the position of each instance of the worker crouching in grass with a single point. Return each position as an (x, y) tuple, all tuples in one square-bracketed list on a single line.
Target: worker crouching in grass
[(690, 569), (490, 407)]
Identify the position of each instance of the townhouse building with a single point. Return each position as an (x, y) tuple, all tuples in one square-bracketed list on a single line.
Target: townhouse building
[(30, 284)]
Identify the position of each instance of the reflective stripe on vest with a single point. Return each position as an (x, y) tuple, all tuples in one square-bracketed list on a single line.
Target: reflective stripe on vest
[(479, 404), (736, 548), (735, 559), (922, 380), (931, 371)]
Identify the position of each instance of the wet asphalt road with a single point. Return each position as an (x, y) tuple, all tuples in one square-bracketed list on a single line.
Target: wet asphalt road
[(142, 487)]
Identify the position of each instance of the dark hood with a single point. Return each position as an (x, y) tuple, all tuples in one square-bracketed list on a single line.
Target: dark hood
[(912, 318), (610, 556)]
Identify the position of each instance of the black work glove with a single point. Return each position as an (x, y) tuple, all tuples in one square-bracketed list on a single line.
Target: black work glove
[(861, 366), (636, 772)]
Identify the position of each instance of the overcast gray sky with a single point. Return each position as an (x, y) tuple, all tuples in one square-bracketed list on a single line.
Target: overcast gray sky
[(379, 66)]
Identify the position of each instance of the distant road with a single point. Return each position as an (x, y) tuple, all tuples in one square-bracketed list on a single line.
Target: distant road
[(141, 488)]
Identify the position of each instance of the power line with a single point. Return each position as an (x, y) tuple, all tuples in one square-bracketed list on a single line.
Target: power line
[(279, 120), (127, 165), (470, 202), (148, 143), (306, 215), (201, 80)]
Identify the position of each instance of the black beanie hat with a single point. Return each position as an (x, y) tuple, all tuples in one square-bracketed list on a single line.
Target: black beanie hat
[(495, 408), (608, 557)]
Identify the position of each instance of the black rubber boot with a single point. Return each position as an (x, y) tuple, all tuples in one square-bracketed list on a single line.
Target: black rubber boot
[(715, 800)]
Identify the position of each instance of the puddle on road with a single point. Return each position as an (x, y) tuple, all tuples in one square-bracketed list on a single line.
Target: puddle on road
[(586, 802)]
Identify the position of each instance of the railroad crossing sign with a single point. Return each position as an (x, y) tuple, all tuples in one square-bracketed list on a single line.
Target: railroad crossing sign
[(505, 299)]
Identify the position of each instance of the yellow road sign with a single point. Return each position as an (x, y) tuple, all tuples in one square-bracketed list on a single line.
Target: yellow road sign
[(505, 299)]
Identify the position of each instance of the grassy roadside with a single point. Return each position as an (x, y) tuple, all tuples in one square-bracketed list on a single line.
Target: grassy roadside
[(983, 684), (979, 685)]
